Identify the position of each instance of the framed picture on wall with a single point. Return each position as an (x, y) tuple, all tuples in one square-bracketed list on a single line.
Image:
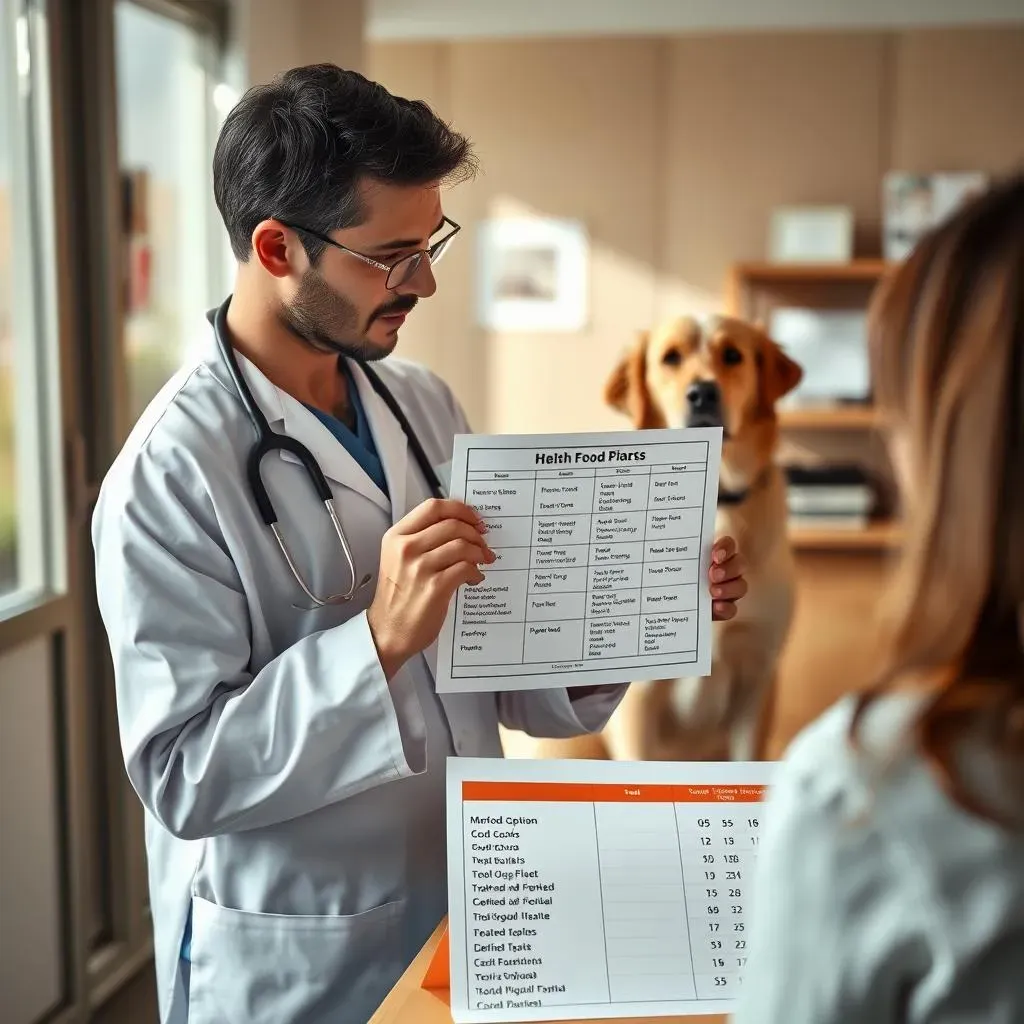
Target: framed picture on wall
[(811, 234), (533, 274), (915, 203)]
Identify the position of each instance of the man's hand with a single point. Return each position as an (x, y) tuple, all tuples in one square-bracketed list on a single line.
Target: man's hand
[(424, 557), (726, 578)]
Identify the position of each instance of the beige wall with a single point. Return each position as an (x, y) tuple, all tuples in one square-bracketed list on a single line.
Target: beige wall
[(674, 152), (275, 35)]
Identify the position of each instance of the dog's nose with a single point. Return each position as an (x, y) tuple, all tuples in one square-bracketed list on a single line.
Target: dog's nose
[(703, 396)]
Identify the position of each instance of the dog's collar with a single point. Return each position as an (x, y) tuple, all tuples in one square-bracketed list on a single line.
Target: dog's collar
[(732, 497), (727, 497)]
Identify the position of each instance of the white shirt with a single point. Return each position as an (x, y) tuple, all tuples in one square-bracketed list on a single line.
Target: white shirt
[(877, 899)]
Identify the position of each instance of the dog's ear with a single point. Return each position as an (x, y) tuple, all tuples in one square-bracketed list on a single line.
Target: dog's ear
[(619, 383), (778, 374), (626, 388)]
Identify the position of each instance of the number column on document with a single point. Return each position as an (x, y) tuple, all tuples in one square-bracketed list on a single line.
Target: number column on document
[(642, 892), (491, 616), (615, 574), (535, 934), (715, 841), (671, 553), (560, 548)]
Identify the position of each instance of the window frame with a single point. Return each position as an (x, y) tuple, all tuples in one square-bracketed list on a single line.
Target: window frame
[(40, 567), (127, 941), (202, 18), (100, 821)]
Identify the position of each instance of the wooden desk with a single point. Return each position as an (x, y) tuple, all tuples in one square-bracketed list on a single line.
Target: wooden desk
[(408, 1003)]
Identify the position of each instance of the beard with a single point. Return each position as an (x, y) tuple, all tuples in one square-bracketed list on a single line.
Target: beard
[(328, 322)]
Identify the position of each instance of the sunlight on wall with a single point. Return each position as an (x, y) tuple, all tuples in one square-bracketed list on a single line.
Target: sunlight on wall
[(540, 382), (674, 297)]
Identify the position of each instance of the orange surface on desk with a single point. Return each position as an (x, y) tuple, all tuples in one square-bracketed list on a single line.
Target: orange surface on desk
[(421, 996)]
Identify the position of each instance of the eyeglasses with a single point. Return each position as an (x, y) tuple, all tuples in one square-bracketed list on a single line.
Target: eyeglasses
[(401, 271)]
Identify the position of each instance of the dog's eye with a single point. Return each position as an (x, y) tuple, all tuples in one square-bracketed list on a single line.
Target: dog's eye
[(673, 357), (731, 356)]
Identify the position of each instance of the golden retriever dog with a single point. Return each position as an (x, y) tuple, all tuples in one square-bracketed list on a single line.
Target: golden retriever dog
[(720, 372)]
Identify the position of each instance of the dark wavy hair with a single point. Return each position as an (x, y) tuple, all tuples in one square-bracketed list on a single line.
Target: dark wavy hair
[(298, 148)]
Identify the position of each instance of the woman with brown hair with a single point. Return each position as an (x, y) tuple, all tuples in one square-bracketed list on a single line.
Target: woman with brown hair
[(890, 883)]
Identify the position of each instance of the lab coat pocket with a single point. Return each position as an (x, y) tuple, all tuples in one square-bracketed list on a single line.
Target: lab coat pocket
[(285, 969)]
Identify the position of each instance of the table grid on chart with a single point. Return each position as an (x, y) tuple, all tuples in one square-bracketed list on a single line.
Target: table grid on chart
[(597, 566), (666, 922)]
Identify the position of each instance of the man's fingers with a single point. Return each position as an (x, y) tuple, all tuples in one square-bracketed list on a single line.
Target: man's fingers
[(732, 569), (731, 590), (455, 575), (458, 550), (437, 534), (722, 611), (724, 548), (434, 510)]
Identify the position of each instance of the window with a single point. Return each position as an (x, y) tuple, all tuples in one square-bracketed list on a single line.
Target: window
[(166, 123), (30, 485), (63, 414), (8, 484)]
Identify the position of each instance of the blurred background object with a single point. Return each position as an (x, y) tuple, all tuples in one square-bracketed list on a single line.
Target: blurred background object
[(639, 160), (166, 125)]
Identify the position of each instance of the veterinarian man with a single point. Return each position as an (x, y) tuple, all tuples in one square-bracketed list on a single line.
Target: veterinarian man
[(273, 630)]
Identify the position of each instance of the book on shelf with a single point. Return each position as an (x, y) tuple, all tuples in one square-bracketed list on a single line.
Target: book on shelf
[(824, 497)]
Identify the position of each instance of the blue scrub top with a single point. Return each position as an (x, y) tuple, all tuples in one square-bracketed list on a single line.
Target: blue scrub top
[(361, 446), (358, 443)]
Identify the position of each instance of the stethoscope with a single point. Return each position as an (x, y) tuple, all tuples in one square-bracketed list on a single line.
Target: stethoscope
[(268, 440)]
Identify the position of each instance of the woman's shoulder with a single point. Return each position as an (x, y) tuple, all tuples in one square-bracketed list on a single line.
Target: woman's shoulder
[(882, 757), (909, 881), (833, 755), (878, 790)]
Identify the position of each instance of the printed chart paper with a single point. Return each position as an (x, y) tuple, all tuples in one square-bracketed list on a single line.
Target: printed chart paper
[(603, 544), (598, 888)]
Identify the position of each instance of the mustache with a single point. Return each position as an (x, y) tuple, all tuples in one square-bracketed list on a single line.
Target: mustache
[(402, 304)]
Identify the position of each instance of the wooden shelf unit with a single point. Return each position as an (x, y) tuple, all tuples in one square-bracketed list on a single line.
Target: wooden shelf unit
[(819, 278), (753, 288), (876, 536), (855, 270), (852, 417)]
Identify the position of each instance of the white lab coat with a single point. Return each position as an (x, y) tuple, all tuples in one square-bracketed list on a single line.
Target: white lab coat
[(293, 798)]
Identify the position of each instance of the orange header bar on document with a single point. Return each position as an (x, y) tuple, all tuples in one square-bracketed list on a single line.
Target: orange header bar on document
[(603, 792)]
